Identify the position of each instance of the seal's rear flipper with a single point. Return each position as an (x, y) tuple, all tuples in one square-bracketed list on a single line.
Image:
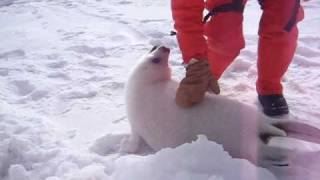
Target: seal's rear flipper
[(300, 131), (134, 144), (303, 165)]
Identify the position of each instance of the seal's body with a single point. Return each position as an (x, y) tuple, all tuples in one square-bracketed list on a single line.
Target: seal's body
[(156, 119)]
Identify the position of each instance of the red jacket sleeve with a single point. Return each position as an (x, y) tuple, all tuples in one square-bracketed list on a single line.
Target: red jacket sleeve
[(187, 16)]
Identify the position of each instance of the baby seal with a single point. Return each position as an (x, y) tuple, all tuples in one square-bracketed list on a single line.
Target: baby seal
[(156, 119)]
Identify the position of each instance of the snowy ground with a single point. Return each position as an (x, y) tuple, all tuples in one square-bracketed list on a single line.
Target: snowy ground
[(63, 68)]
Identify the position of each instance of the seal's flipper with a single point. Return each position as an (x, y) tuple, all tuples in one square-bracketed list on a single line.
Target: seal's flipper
[(131, 144), (135, 144), (268, 131), (300, 130)]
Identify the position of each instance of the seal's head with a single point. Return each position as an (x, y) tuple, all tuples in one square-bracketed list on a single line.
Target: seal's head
[(154, 66)]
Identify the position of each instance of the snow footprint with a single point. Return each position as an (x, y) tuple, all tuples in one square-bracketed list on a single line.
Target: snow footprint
[(99, 52), (84, 94), (71, 35), (94, 64), (38, 94), (240, 65), (313, 42), (308, 51), (306, 62), (57, 65), (98, 78), (124, 2), (27, 90), (21, 87), (115, 85), (59, 75), (12, 54), (4, 72), (6, 2)]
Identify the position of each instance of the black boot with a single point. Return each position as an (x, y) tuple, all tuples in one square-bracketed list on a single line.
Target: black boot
[(274, 105)]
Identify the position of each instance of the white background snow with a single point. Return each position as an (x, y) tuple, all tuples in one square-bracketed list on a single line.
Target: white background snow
[(63, 68)]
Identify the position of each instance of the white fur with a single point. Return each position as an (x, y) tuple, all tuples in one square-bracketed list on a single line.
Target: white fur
[(156, 119)]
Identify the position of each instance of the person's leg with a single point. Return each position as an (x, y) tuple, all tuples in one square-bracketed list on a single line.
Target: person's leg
[(224, 35), (277, 43), (187, 16)]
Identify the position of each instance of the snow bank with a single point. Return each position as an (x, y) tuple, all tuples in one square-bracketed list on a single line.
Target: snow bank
[(201, 160), (29, 152)]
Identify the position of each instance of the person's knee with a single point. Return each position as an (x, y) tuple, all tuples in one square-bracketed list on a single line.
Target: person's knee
[(279, 17), (224, 33), (227, 48)]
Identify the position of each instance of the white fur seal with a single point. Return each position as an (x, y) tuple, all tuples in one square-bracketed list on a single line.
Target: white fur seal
[(157, 120)]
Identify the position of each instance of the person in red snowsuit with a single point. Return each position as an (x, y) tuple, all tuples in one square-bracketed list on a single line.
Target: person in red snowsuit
[(218, 41)]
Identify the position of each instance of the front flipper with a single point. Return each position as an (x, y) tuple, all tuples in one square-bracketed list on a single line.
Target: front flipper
[(267, 131), (130, 144)]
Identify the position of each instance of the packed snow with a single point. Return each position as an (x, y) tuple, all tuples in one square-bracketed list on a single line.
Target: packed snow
[(63, 69)]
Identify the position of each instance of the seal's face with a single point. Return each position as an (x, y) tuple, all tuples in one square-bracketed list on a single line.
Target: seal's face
[(159, 55), (154, 66)]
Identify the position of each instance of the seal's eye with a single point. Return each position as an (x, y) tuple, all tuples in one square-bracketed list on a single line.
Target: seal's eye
[(153, 49), (156, 60)]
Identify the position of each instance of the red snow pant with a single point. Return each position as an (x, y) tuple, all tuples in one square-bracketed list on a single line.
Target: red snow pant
[(221, 38)]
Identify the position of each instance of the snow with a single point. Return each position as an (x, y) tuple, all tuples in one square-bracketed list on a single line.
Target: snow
[(63, 69), (189, 161)]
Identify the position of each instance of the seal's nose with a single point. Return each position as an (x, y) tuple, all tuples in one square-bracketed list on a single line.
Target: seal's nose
[(154, 48), (164, 49)]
